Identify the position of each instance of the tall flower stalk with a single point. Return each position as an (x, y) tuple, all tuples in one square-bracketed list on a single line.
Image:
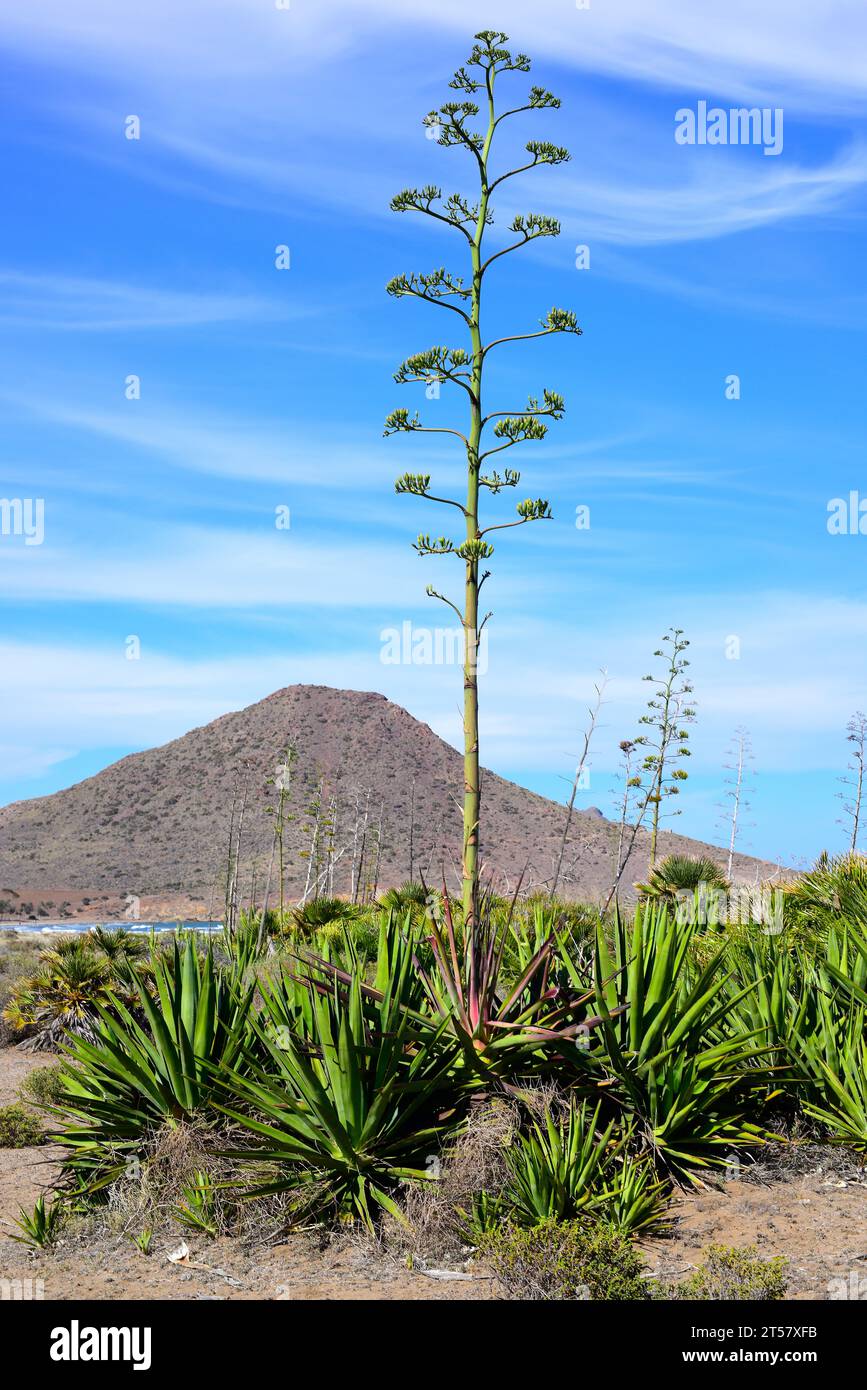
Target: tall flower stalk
[(464, 367)]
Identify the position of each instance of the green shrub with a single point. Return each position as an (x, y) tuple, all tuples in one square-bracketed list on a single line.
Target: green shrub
[(43, 1085), (728, 1273), (18, 1128), (564, 1260)]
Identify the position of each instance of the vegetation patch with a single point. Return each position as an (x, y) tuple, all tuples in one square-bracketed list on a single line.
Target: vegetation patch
[(564, 1260), (728, 1274), (19, 1129)]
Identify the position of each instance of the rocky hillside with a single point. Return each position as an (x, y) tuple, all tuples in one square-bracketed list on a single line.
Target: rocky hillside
[(159, 822)]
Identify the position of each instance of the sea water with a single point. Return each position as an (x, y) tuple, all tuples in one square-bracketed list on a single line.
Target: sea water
[(76, 928)]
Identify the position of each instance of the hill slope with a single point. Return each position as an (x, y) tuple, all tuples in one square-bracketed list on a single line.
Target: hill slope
[(158, 822)]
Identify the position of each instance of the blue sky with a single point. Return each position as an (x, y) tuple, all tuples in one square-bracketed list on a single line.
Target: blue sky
[(263, 388)]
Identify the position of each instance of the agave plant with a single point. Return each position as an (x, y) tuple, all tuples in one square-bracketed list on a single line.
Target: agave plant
[(153, 1068), (674, 1059), (562, 1166), (775, 1009), (569, 1165), (638, 1201), (392, 971), (834, 1058), (830, 1050), (42, 1226), (350, 1107), (198, 1210), (506, 1028)]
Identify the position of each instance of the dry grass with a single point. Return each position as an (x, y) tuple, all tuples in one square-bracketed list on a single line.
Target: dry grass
[(474, 1163)]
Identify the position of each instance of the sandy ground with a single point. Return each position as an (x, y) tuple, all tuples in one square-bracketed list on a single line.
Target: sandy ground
[(817, 1220), (83, 905)]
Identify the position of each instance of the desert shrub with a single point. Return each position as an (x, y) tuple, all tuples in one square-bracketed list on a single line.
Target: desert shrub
[(438, 1218), (564, 1260), (43, 1085), (729, 1273), (18, 1128)]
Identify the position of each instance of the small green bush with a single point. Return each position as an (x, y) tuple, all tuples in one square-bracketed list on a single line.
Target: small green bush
[(728, 1273), (564, 1260), (43, 1085), (18, 1128)]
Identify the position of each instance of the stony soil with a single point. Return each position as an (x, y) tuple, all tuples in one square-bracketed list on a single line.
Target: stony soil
[(816, 1219)]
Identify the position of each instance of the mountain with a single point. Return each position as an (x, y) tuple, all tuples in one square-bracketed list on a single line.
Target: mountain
[(156, 825)]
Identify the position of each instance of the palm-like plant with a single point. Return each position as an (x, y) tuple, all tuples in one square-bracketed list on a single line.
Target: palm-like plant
[(62, 999), (408, 897), (834, 890), (119, 945), (323, 914), (679, 875)]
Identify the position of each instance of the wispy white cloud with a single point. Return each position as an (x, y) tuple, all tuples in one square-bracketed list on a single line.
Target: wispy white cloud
[(193, 567), (220, 444), (61, 302), (274, 99), (711, 200), (812, 54), (801, 673)]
